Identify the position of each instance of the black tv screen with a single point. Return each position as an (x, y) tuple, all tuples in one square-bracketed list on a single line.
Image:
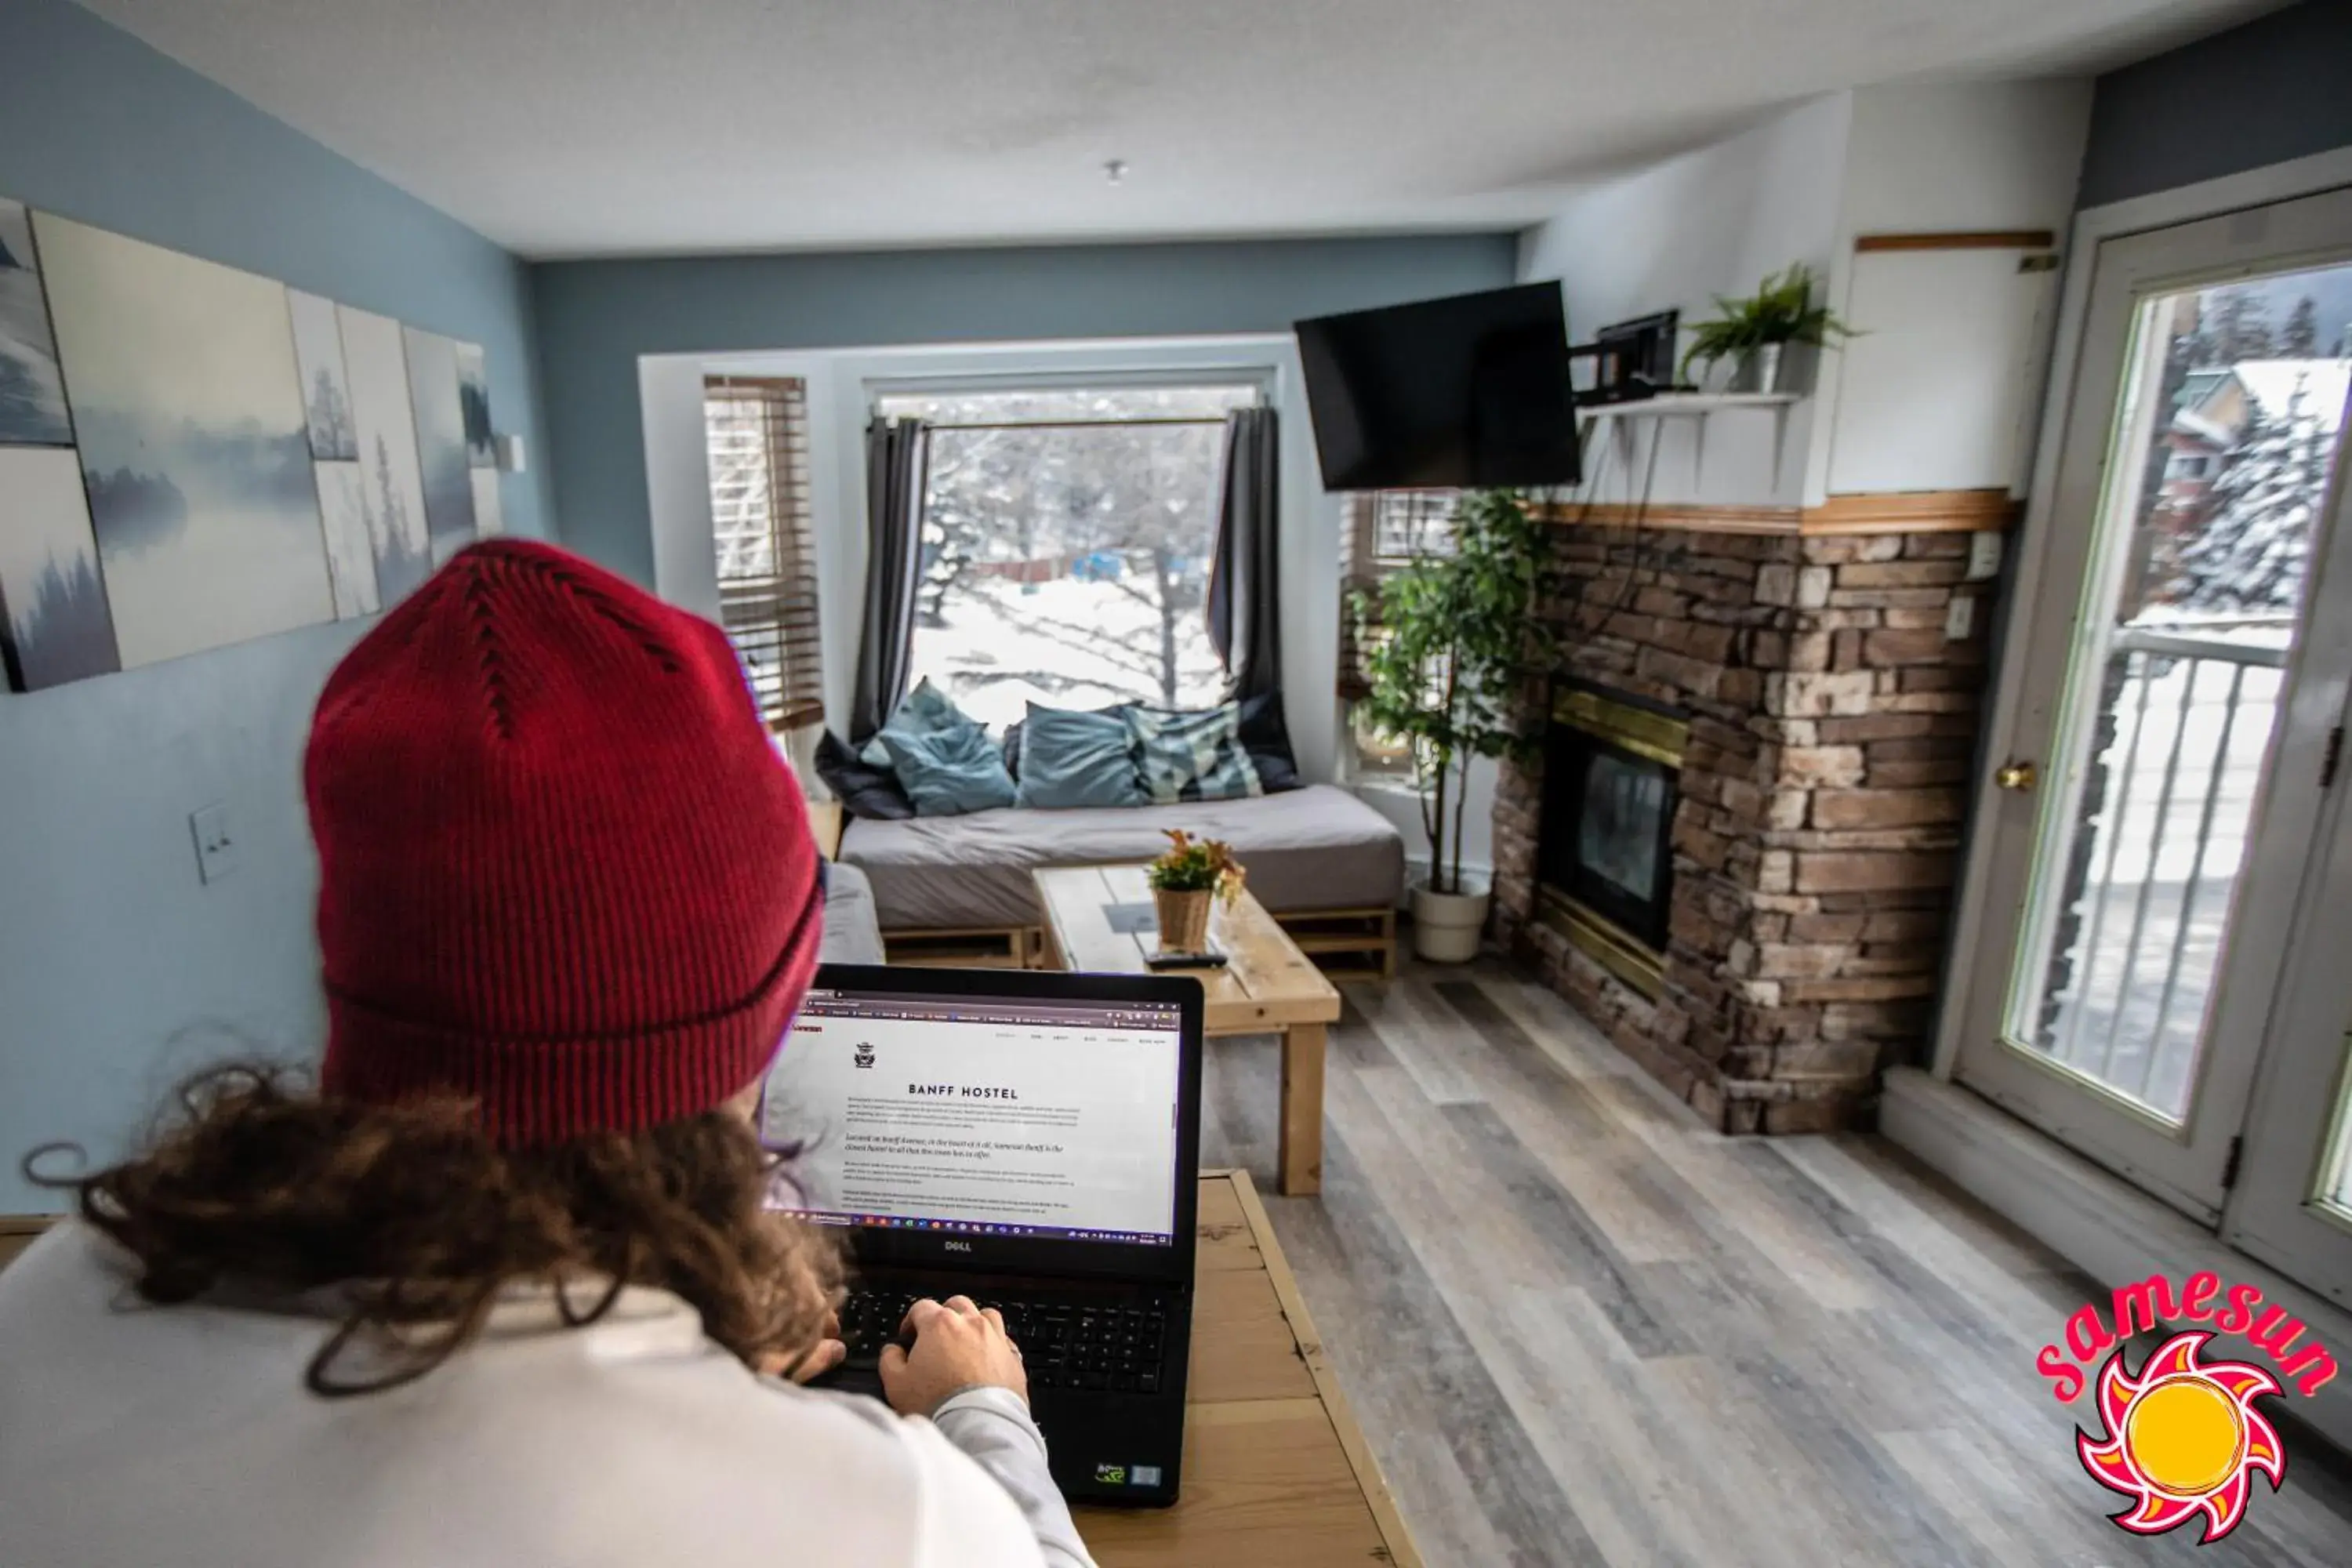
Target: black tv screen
[(1466, 391)]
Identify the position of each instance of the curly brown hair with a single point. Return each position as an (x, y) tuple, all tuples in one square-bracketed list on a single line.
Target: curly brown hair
[(416, 1222)]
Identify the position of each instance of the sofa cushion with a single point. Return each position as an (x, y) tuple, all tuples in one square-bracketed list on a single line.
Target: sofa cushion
[(925, 710), (1195, 754), (1070, 759), (1268, 738), (948, 772), (1314, 848), (863, 790)]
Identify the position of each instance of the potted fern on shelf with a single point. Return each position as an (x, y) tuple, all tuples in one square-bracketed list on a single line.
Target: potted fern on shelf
[(1452, 644), (1754, 332)]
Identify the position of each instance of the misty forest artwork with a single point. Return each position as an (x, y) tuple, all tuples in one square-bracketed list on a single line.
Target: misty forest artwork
[(54, 623), (31, 398), (192, 455), (440, 441), (195, 449), (474, 402), (326, 387), (351, 554), (393, 490)]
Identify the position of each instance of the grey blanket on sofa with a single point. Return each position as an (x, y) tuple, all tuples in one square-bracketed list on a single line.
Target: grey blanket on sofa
[(1313, 848)]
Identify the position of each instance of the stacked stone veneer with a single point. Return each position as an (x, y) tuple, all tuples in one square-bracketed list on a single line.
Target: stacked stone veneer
[(1833, 728)]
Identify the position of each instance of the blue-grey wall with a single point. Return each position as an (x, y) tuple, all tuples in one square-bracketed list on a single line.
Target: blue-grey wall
[(2278, 88), (118, 969), (595, 318)]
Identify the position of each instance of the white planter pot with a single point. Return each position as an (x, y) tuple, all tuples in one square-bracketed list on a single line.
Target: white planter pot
[(1759, 369), (1445, 926)]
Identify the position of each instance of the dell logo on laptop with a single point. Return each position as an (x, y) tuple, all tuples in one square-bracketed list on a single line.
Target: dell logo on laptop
[(957, 1246)]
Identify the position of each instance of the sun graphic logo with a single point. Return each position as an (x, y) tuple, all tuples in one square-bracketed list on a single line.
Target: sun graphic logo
[(2183, 1438)]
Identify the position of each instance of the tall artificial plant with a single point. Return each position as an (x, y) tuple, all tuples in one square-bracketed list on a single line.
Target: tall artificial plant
[(1452, 640)]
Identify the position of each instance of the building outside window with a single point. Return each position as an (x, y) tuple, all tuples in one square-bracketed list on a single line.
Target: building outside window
[(1387, 530)]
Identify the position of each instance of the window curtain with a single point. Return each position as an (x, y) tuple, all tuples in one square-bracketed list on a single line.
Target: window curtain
[(1244, 581), (898, 454)]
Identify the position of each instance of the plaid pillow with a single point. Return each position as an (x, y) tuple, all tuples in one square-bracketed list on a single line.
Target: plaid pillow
[(1192, 755)]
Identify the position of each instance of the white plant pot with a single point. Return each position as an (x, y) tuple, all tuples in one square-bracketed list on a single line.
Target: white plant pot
[(1759, 369), (1445, 926)]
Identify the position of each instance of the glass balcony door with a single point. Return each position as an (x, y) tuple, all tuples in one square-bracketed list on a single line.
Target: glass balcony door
[(2178, 680)]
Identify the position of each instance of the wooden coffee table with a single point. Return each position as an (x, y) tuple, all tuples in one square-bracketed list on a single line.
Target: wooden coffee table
[(1277, 1472), (1266, 987)]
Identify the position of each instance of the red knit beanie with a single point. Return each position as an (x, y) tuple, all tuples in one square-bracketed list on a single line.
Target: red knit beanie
[(563, 871)]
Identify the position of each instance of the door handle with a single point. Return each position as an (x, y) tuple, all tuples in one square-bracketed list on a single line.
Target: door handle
[(2018, 773)]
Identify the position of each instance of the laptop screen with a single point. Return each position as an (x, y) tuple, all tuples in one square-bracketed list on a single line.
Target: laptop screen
[(989, 1115)]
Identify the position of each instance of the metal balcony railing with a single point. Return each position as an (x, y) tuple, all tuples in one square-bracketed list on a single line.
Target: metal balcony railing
[(2166, 806)]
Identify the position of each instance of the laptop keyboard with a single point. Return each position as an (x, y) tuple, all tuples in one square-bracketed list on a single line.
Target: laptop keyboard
[(1096, 1345)]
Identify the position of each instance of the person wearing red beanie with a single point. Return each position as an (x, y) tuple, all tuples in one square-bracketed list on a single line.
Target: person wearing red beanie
[(503, 1287)]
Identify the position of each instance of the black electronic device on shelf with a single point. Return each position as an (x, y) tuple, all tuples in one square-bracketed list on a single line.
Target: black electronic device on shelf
[(1633, 360)]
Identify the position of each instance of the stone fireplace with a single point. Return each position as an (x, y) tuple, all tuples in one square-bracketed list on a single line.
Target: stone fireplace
[(1794, 694)]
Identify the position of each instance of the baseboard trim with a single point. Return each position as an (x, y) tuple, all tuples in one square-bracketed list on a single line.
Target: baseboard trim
[(2110, 1230)]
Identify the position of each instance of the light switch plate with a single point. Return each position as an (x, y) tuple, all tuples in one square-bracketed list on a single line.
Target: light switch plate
[(215, 844)]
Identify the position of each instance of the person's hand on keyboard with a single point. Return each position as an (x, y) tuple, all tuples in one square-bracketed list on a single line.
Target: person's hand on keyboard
[(813, 1362), (956, 1345)]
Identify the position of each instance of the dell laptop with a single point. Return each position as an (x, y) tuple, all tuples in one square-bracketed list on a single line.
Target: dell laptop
[(1031, 1141)]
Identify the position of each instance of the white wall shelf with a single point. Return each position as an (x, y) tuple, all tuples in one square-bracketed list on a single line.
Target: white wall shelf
[(1624, 418)]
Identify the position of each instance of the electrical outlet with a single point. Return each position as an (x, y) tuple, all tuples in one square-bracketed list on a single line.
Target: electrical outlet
[(1960, 619), (215, 844), (1984, 556)]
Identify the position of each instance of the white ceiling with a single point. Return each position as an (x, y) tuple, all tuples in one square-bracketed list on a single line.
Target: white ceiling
[(585, 127)]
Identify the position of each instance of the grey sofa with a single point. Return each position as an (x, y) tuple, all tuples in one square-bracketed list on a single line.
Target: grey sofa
[(852, 933), (1319, 859)]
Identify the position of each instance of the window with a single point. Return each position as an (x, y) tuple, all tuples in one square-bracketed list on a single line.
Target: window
[(1387, 530), (758, 433), (1067, 533), (2186, 466)]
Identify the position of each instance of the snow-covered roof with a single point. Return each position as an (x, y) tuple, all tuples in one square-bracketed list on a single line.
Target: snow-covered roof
[(2213, 432), (2273, 382)]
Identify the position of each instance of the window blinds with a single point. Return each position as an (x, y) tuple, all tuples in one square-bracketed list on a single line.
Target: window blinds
[(757, 432)]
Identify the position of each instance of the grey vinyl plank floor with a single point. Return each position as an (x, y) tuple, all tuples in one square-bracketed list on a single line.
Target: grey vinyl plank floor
[(1579, 1328)]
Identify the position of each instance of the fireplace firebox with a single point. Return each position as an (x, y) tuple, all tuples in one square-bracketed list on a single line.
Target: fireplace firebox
[(1612, 767)]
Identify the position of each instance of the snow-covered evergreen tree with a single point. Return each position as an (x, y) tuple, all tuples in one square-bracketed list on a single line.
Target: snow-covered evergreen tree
[(2300, 337), (2239, 328), (2254, 549)]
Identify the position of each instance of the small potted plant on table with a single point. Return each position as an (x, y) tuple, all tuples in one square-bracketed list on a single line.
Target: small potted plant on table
[(1455, 642), (1753, 333), (1184, 878)]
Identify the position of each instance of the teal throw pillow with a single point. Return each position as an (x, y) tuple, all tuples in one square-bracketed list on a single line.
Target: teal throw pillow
[(949, 771), (1073, 759), (925, 710), (1192, 755)]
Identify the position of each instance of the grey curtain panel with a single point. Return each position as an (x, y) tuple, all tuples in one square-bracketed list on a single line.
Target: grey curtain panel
[(898, 454), (1244, 583)]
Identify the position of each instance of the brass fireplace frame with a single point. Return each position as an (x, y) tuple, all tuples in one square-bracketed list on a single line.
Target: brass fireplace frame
[(1662, 738)]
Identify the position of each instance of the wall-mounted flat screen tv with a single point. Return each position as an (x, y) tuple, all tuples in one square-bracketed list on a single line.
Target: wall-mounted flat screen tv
[(1469, 390)]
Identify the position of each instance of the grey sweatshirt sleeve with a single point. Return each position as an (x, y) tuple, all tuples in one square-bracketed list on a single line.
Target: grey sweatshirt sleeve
[(993, 1428)]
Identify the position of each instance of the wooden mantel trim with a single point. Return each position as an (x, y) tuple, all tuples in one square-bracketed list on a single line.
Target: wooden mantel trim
[(1970, 240), (1893, 511), (1915, 511), (1697, 518)]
